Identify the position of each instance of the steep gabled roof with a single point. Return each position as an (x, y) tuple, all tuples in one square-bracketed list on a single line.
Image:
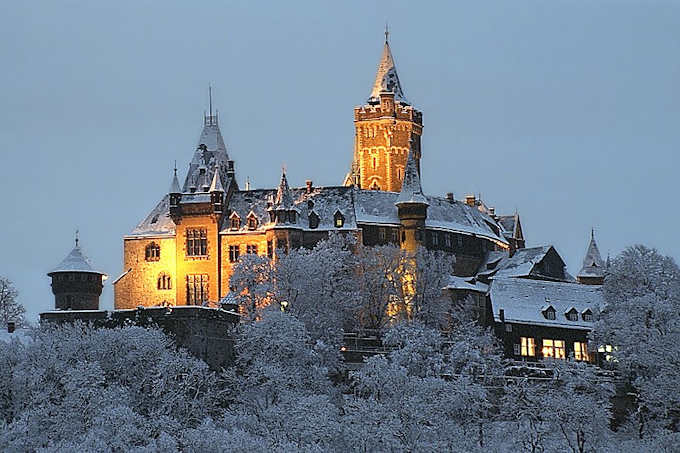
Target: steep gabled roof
[(593, 265), (386, 79), (211, 153)]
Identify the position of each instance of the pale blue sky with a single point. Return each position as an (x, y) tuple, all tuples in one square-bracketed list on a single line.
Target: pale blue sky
[(566, 110)]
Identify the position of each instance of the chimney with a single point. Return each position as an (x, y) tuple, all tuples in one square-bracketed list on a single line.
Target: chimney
[(309, 185), (501, 315), (11, 326), (470, 200), (449, 197)]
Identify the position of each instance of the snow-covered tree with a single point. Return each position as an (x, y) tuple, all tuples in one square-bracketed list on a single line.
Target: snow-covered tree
[(10, 308), (639, 320)]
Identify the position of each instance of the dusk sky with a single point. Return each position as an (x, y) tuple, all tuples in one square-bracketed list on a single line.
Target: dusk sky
[(568, 111)]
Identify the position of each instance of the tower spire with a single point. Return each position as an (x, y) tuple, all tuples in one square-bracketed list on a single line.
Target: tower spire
[(387, 32), (386, 78), (210, 98)]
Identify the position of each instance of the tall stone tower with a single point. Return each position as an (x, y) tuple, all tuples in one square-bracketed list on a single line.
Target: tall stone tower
[(75, 283), (384, 128)]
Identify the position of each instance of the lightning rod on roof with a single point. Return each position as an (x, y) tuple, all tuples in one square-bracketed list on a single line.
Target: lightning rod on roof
[(77, 237), (210, 98), (387, 31)]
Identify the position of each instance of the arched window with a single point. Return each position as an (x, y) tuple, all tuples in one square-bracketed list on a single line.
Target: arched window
[(164, 281), (313, 220), (374, 185), (375, 163), (338, 219), (152, 252)]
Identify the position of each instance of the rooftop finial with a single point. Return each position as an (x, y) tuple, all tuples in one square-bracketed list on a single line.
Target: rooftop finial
[(592, 232), (210, 98), (387, 32), (175, 167), (77, 237)]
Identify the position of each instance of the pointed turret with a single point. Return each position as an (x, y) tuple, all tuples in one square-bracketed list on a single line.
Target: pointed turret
[(386, 79), (593, 269), (174, 185), (216, 185), (284, 198), (411, 207), (411, 189)]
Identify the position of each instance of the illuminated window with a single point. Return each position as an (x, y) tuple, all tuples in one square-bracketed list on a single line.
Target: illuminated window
[(374, 185), (581, 351), (152, 252), (313, 220), (234, 252), (554, 349), (197, 289), (252, 222), (251, 249), (164, 281), (234, 222), (607, 351), (197, 242), (528, 347), (338, 219)]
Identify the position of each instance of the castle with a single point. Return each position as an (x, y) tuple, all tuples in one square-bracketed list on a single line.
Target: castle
[(183, 252)]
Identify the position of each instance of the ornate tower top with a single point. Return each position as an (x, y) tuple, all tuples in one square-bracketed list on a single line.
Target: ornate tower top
[(284, 198), (593, 269), (386, 79)]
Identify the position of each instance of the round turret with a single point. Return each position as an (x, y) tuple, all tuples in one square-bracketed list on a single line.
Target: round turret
[(75, 283)]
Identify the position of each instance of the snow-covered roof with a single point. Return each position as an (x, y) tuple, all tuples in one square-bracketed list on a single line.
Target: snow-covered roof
[(323, 201), (174, 185), (523, 301), (411, 190), (210, 154), (75, 261), (386, 78), (593, 265), (521, 264), (216, 184), (157, 223), (283, 199), (466, 283), (508, 224)]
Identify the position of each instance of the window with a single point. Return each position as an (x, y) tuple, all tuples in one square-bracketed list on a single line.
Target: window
[(508, 327), (581, 351), (313, 220), (572, 315), (381, 234), (252, 222), (197, 242), (528, 347), (549, 313), (152, 252), (164, 281), (554, 349), (459, 240), (395, 235), (375, 163), (270, 249), (197, 289), (234, 222), (399, 173), (447, 240), (251, 249), (435, 239), (339, 219), (234, 253), (374, 185), (588, 315)]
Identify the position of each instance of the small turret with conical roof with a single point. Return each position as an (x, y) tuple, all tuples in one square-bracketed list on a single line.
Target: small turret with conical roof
[(75, 282), (593, 269), (283, 209), (412, 207)]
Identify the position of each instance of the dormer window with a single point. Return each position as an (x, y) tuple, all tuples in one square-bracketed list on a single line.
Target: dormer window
[(234, 222), (152, 252), (588, 315), (252, 221), (549, 313), (338, 219), (313, 220), (572, 315)]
